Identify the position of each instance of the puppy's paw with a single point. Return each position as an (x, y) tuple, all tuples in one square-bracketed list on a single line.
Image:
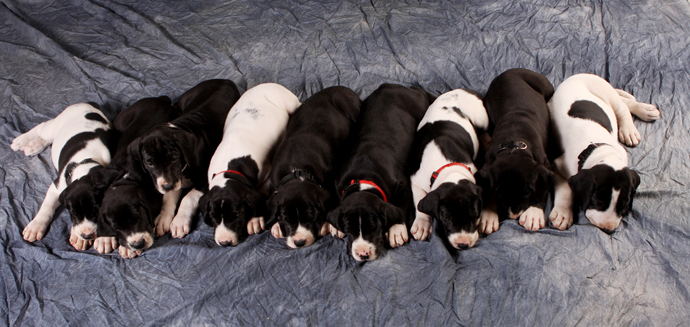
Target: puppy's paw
[(397, 235), (79, 244), (276, 231), (35, 146), (533, 219), (35, 230), (180, 226), (20, 142), (335, 232), (105, 244), (488, 222), (646, 111), (163, 222), (255, 225), (629, 135), (561, 217), (421, 228), (127, 253)]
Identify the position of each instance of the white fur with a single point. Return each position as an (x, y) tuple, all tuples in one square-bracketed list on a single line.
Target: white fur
[(223, 235), (105, 244), (58, 132), (362, 247), (432, 157), (576, 134), (607, 219), (301, 234), (84, 228), (181, 223), (463, 237), (165, 217), (255, 225)]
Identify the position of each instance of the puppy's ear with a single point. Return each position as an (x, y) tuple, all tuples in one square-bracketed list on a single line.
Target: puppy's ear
[(582, 185), (484, 178), (104, 177), (204, 208), (429, 204), (274, 209), (476, 204), (337, 219), (255, 204), (626, 200), (542, 182), (391, 215)]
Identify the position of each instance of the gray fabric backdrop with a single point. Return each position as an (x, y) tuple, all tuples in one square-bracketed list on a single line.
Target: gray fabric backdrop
[(55, 53)]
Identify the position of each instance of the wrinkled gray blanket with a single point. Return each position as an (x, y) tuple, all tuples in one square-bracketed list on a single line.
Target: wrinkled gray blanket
[(56, 53)]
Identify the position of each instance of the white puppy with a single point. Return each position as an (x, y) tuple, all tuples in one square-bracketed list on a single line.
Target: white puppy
[(588, 118), (79, 138)]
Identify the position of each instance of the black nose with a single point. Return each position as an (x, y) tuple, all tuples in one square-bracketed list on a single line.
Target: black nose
[(608, 231), (226, 243), (168, 186), (462, 246), (138, 244), (364, 257), (300, 243), (87, 236)]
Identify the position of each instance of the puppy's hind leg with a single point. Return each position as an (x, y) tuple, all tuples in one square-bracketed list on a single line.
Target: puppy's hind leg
[(627, 132), (36, 229), (644, 111), (32, 142)]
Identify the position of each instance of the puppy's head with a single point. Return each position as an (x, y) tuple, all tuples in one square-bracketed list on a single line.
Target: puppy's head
[(517, 183), (162, 157), (130, 209), (299, 208), (229, 209), (364, 218), (604, 194), (82, 199), (457, 207)]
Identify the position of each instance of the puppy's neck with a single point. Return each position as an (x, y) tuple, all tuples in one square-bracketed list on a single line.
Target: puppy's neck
[(454, 174), (603, 154)]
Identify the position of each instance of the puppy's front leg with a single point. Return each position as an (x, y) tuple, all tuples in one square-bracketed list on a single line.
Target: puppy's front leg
[(488, 220), (397, 235), (167, 213), (105, 244), (36, 229), (422, 225), (182, 222), (255, 225), (561, 215)]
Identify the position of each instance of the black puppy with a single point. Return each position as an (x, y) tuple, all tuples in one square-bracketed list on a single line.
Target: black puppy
[(304, 164), (83, 197), (517, 170), (177, 154), (373, 185)]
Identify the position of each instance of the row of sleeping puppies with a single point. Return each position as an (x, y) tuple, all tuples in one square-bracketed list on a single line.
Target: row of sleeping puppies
[(352, 168)]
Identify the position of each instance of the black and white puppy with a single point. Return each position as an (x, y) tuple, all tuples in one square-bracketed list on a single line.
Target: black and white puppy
[(442, 162), (83, 197), (373, 185), (81, 138), (176, 155), (589, 116), (305, 163), (234, 205), (517, 170)]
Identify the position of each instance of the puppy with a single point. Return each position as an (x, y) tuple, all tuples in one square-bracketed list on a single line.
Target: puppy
[(80, 138), (442, 161), (373, 185), (517, 170), (176, 155), (589, 117), (83, 197), (305, 162), (233, 204)]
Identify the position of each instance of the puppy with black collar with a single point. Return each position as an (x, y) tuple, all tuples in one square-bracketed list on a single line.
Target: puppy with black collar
[(234, 205), (589, 116), (373, 185), (177, 155), (517, 170), (442, 161), (81, 137), (305, 162)]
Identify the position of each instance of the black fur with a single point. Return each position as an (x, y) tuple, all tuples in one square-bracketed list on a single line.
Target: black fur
[(78, 142), (585, 109), (452, 139), (306, 160), (96, 117)]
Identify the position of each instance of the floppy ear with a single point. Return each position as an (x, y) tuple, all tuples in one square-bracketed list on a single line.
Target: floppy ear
[(582, 186), (429, 204), (256, 202), (336, 218), (204, 209), (188, 147), (104, 177), (476, 203), (542, 182), (484, 178), (391, 215), (635, 180)]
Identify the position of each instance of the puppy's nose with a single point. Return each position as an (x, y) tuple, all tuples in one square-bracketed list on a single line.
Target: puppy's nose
[(608, 231), (227, 243), (364, 255), (167, 186), (462, 246), (88, 236), (138, 245), (300, 243)]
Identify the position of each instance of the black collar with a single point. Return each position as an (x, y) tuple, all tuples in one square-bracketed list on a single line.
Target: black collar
[(300, 174), (513, 145), (584, 155)]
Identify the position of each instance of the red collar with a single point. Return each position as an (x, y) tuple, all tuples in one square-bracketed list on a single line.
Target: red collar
[(434, 175), (362, 181), (228, 171)]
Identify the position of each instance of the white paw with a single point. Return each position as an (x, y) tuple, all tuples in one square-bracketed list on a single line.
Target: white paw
[(629, 135), (255, 225), (276, 231), (335, 232), (105, 244), (78, 243), (646, 111), (20, 142), (35, 230), (163, 223), (533, 219), (397, 235), (488, 222), (127, 253), (180, 226), (561, 217), (421, 228)]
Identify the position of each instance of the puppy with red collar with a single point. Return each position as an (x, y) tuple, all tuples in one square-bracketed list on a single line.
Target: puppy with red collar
[(442, 159), (588, 117), (233, 204), (81, 138), (374, 185)]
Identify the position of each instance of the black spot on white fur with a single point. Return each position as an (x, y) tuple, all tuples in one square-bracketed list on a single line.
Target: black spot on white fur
[(96, 117), (585, 109)]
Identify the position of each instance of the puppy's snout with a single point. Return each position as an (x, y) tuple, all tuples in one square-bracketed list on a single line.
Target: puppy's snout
[(167, 186), (89, 236), (138, 245), (462, 246), (300, 243)]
